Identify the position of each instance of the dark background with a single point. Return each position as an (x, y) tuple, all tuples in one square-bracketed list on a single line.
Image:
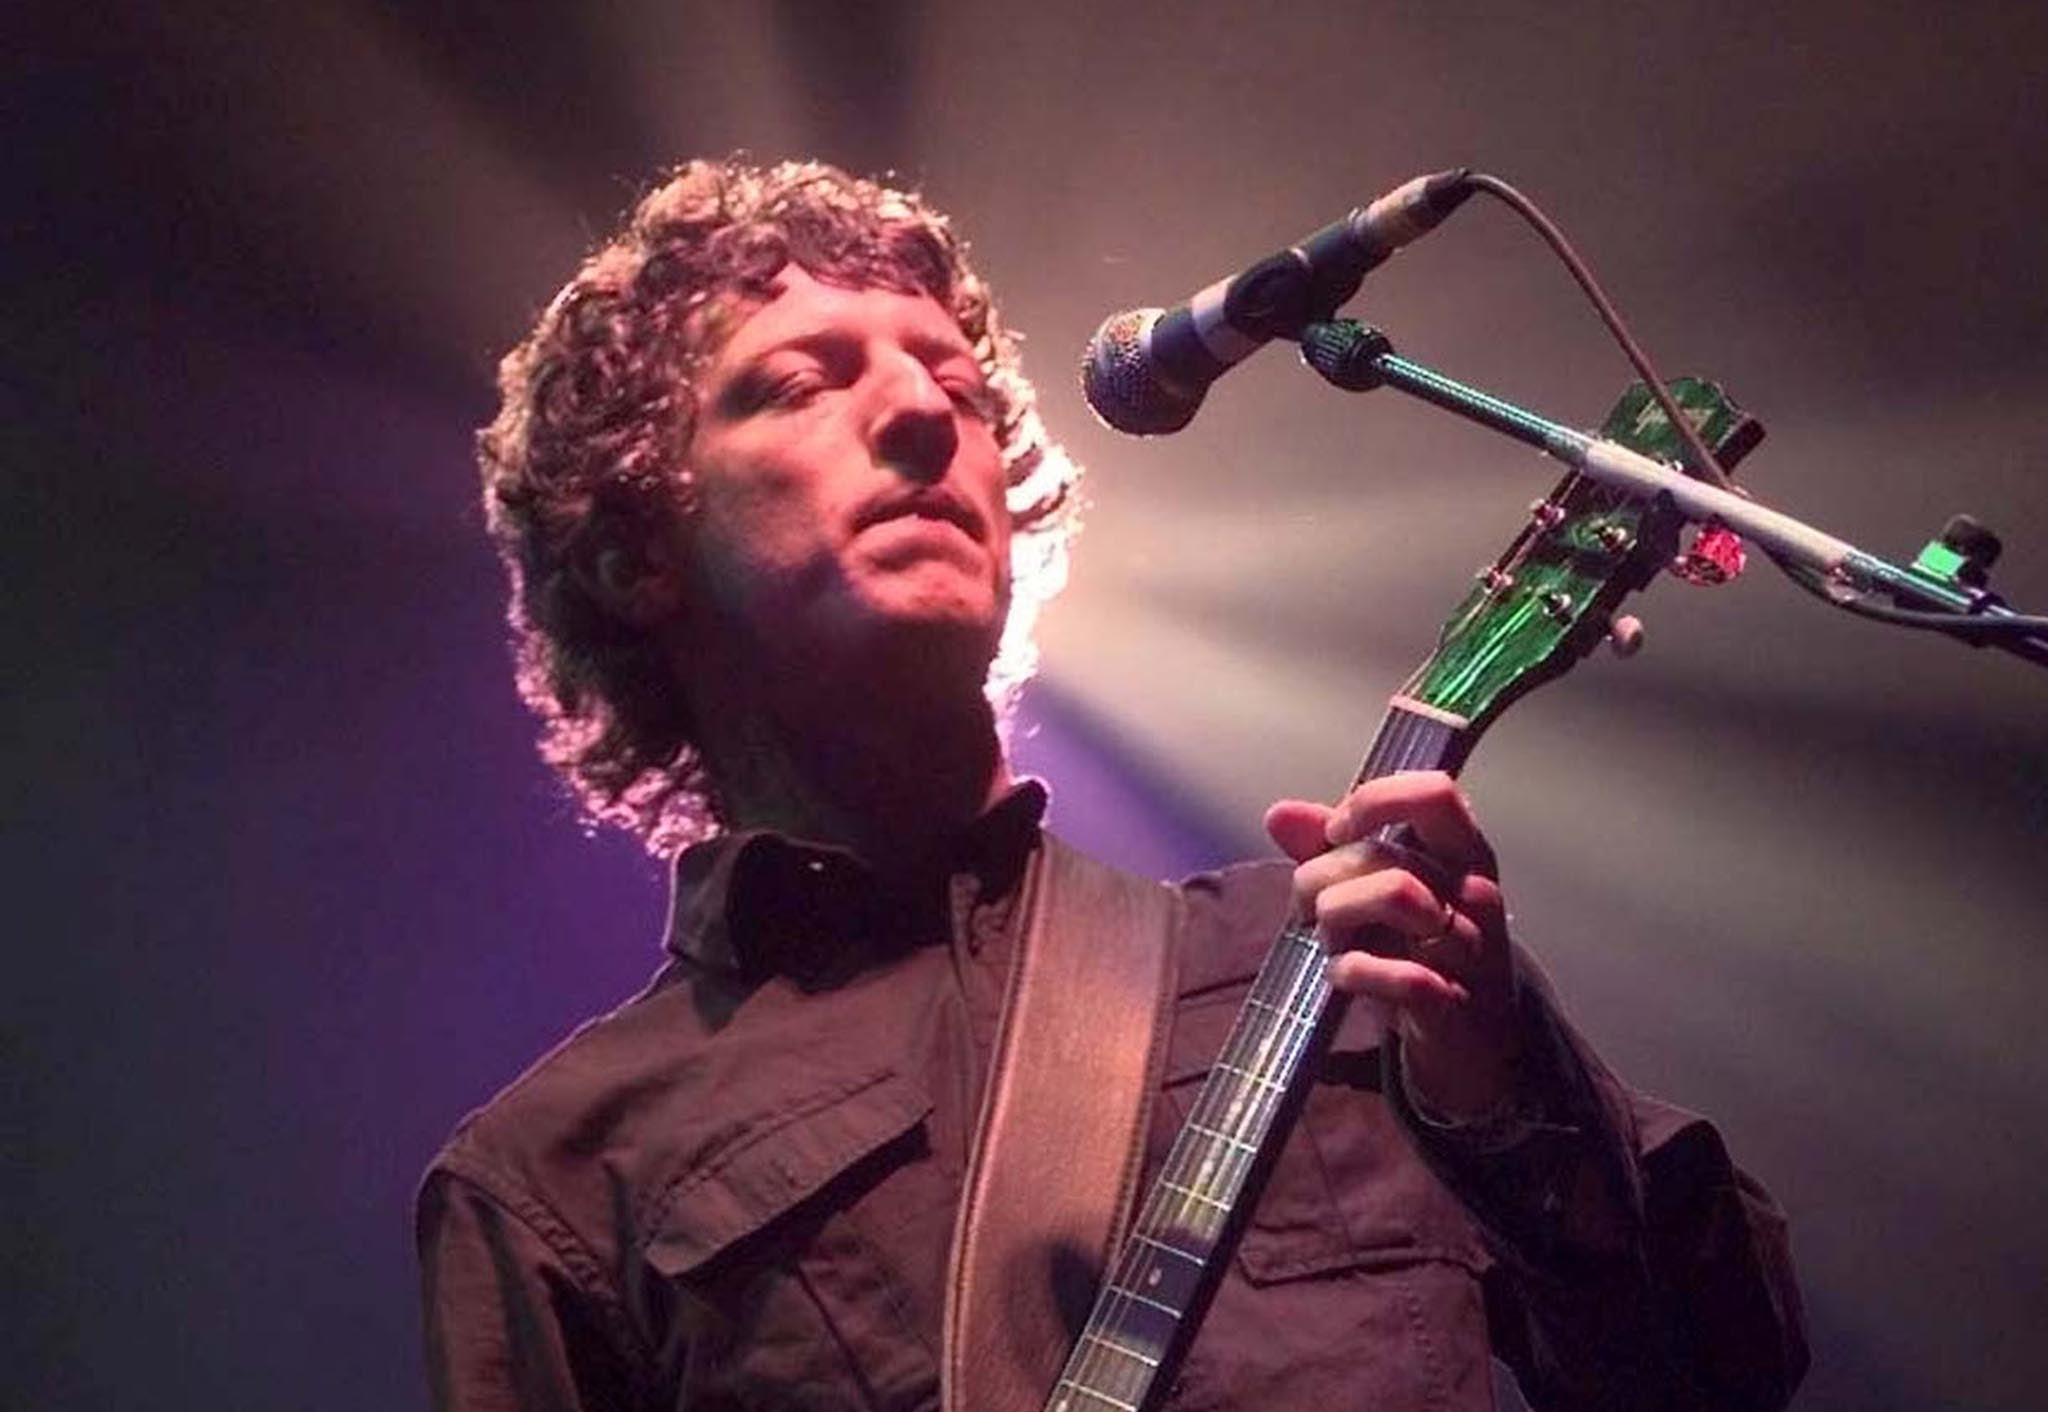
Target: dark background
[(287, 892)]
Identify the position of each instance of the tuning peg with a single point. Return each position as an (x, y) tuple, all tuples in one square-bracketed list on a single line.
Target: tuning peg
[(1716, 556), (1625, 634)]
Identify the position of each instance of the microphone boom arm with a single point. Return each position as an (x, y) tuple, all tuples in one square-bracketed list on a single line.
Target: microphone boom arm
[(1358, 358)]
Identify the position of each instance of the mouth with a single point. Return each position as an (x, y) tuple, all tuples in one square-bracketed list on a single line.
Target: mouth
[(931, 503)]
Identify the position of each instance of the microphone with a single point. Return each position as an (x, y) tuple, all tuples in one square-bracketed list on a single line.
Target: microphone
[(1146, 370)]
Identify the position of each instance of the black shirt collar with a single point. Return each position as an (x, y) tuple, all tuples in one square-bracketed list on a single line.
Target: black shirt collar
[(762, 903)]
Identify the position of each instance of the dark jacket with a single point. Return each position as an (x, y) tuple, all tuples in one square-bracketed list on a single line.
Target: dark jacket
[(738, 1189)]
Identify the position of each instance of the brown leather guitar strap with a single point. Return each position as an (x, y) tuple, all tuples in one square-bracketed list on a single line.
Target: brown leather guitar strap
[(1061, 1136)]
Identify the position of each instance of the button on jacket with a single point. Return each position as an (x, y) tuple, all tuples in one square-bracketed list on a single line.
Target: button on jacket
[(738, 1189)]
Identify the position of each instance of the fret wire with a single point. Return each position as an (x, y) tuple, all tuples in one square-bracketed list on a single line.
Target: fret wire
[(1307, 981), (1147, 1359), (1197, 1207), (1115, 1347), (1245, 1134), (1225, 1110), (1261, 1080), (1233, 1114), (1305, 984), (1195, 1195), (1091, 1365), (1285, 1017), (1114, 1378), (1258, 1060), (1277, 980), (1235, 1109), (1246, 1113), (1253, 1054), (1093, 1396), (1274, 1011), (1219, 1168), (1184, 1163), (1120, 1386), (1281, 982), (1265, 1097), (1296, 952), (1133, 1295), (1083, 1366), (1170, 1249), (1236, 1100), (1247, 1100), (1240, 1135), (1223, 1137), (1120, 1297)]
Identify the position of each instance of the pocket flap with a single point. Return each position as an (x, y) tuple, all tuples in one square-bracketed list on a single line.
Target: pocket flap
[(772, 1166)]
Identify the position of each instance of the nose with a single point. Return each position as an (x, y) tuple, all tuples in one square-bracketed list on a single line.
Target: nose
[(914, 434)]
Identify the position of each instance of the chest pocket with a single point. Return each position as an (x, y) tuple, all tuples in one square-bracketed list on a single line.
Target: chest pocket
[(774, 1162), (771, 1289)]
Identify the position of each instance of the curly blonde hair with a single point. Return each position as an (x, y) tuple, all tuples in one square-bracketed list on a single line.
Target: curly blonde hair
[(591, 442)]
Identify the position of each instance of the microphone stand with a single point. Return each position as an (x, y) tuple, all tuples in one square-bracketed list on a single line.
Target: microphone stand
[(1943, 588)]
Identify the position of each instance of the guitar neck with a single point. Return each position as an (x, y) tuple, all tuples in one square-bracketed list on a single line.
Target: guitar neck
[(1543, 604), (1157, 1286)]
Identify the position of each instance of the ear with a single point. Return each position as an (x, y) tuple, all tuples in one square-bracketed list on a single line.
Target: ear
[(640, 584)]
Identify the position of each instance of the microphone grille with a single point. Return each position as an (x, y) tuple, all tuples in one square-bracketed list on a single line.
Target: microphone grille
[(1122, 385)]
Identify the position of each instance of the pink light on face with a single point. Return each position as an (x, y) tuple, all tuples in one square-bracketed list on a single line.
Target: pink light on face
[(846, 479)]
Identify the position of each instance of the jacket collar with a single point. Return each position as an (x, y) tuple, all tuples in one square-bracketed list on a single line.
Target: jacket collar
[(761, 903)]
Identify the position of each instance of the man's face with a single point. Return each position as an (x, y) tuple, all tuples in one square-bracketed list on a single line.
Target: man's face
[(848, 483)]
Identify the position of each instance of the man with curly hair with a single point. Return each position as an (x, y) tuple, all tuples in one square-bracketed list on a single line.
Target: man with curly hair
[(588, 468), (778, 515)]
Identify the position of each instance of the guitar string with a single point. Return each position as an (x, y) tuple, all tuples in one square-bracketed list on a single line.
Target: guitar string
[(1411, 741), (1405, 741), (1245, 1105)]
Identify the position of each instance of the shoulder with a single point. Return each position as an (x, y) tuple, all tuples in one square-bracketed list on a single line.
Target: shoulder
[(686, 1118), (594, 1094)]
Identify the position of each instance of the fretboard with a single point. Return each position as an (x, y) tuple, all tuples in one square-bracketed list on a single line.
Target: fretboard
[(1158, 1284)]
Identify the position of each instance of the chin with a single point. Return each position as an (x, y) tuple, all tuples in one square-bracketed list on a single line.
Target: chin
[(937, 595), (948, 629)]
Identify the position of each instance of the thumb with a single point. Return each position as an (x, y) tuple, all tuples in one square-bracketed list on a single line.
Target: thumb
[(1297, 826)]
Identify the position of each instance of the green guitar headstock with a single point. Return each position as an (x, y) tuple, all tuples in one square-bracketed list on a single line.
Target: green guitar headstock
[(1550, 598)]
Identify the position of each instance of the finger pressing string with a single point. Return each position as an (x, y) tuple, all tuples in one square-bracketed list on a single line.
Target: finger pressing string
[(1428, 803)]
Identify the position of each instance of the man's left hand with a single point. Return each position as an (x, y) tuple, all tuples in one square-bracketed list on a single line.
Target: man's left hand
[(1417, 924)]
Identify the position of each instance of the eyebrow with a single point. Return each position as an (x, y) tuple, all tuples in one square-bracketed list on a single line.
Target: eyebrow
[(926, 345)]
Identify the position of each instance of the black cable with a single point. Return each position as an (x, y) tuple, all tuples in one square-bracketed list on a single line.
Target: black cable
[(1701, 463), (1962, 625)]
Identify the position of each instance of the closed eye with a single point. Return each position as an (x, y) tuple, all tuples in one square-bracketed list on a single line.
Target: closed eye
[(973, 397), (783, 382), (794, 389)]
